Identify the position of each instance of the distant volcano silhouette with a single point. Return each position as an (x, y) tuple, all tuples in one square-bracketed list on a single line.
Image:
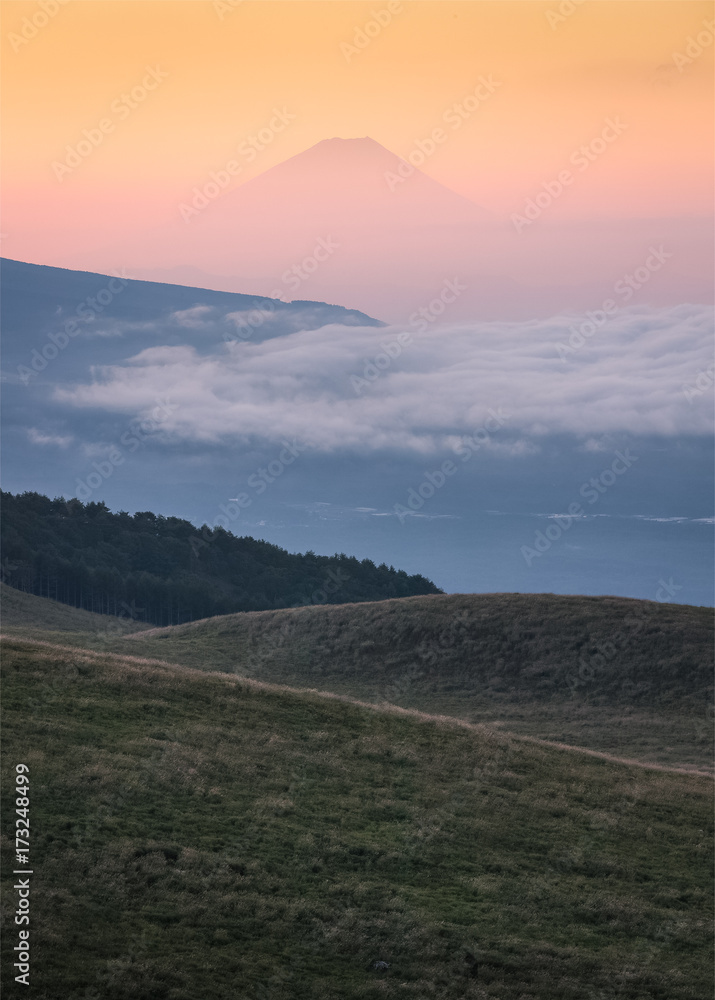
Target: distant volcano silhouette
[(347, 221), (353, 184)]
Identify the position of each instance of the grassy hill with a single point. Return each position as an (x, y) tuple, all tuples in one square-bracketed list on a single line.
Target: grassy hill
[(37, 615), (474, 643), (628, 677), (625, 676), (198, 836)]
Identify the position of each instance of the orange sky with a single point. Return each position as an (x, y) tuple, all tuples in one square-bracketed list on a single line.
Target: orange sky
[(229, 65)]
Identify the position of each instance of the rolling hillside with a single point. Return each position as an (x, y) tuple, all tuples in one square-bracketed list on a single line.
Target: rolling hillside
[(199, 836), (633, 678), (499, 645), (622, 676), (37, 615)]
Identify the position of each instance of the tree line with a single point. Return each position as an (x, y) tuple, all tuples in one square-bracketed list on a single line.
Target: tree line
[(151, 568)]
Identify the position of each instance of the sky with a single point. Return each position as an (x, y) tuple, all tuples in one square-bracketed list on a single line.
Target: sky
[(526, 401), (223, 69)]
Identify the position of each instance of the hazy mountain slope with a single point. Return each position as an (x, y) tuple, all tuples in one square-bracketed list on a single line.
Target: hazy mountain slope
[(113, 316), (35, 294), (224, 839)]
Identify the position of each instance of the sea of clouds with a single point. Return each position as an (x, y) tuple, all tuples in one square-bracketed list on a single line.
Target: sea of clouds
[(644, 371)]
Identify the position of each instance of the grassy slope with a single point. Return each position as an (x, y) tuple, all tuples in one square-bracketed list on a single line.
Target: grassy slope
[(32, 615), (201, 836), (632, 677), (629, 677)]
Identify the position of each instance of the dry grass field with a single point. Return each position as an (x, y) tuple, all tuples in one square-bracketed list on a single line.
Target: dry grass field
[(633, 678), (201, 835)]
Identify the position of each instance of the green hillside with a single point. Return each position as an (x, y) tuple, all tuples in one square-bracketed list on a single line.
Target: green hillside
[(201, 837), (624, 676), (490, 643), (37, 615), (628, 677)]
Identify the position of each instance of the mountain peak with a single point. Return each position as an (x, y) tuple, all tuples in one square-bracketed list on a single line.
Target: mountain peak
[(340, 138), (356, 151), (387, 223), (363, 176)]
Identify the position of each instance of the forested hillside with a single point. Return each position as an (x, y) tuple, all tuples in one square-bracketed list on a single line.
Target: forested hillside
[(166, 571)]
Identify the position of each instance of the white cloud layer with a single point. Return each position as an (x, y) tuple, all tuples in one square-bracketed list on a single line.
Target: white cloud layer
[(643, 372)]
